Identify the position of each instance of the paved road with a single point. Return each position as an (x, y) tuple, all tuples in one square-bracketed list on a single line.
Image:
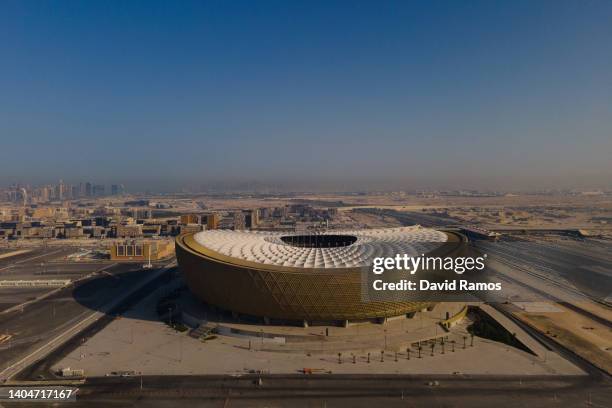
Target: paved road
[(413, 217), (45, 324), (578, 271), (40, 263), (549, 275), (142, 283), (36, 255), (346, 391)]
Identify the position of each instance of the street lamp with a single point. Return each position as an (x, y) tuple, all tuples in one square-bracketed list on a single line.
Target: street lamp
[(385, 339)]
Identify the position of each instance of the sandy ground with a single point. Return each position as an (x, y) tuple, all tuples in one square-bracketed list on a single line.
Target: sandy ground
[(584, 336), (413, 202)]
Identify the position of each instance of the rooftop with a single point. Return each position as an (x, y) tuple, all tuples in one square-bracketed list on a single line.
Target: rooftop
[(333, 249)]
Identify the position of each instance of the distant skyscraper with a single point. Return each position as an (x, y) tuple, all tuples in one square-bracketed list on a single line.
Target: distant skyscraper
[(60, 190), (98, 190), (117, 189), (88, 189), (45, 194)]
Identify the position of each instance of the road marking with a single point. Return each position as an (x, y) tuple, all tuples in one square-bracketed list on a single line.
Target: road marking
[(96, 315), (15, 253), (50, 342), (47, 294), (29, 259)]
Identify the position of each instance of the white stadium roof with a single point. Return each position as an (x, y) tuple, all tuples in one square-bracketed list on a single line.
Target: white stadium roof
[(268, 247)]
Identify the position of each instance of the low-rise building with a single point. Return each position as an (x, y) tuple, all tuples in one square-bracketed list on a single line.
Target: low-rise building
[(128, 231), (141, 250), (212, 221), (190, 219)]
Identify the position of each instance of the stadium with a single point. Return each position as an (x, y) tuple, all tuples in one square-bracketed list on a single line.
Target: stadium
[(288, 277)]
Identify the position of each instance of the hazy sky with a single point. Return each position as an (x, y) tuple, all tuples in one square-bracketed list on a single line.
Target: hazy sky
[(491, 94)]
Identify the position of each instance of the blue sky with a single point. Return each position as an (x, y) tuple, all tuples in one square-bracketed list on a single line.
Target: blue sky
[(350, 94)]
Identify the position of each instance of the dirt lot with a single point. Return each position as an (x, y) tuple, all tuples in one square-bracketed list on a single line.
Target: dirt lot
[(587, 338)]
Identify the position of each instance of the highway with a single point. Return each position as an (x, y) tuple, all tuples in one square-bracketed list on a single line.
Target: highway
[(40, 263), (347, 391), (39, 254), (553, 270), (41, 326), (413, 217), (144, 283), (47, 292)]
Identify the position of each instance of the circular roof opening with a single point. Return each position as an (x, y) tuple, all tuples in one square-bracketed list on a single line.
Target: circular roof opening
[(319, 241)]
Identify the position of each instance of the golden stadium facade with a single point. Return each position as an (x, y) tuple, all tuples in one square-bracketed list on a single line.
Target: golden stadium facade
[(292, 277)]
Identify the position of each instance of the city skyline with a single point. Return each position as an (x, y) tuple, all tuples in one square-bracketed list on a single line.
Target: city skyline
[(74, 190), (314, 96)]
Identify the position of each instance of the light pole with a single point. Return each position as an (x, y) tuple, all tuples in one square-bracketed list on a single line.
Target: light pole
[(81, 355), (180, 348), (385, 339)]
